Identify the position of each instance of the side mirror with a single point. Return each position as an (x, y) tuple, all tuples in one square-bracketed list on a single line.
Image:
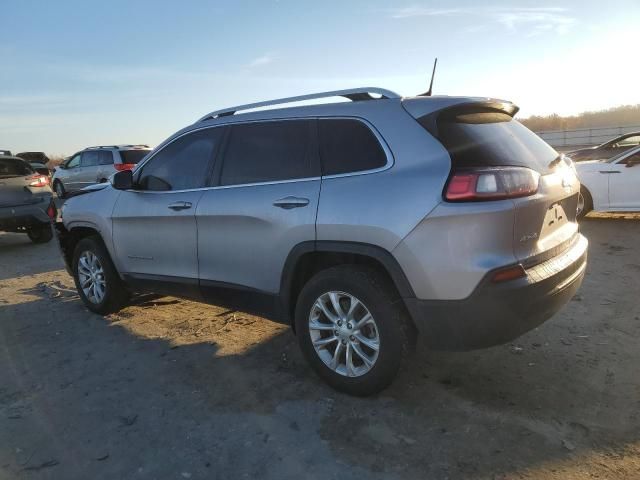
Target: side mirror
[(122, 180)]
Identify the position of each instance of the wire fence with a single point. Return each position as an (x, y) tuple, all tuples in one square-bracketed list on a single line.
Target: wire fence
[(584, 136)]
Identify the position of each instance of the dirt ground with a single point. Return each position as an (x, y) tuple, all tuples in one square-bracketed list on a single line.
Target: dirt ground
[(173, 389)]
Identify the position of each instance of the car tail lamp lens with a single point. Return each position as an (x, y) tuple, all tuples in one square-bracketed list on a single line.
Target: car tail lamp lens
[(491, 184), (124, 166), (38, 181), (52, 211), (509, 273)]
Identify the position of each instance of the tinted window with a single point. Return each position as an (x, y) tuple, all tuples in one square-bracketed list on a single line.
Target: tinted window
[(133, 156), (90, 159), (183, 164), (106, 157), (12, 167), (348, 146), (269, 151), (490, 138)]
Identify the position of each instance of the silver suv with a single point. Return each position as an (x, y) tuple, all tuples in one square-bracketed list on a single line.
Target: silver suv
[(95, 165), (362, 224)]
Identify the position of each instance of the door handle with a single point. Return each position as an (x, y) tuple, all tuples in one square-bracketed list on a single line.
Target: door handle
[(180, 206), (609, 171), (291, 202)]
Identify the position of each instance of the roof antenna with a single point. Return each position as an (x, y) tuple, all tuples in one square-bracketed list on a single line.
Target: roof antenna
[(433, 74)]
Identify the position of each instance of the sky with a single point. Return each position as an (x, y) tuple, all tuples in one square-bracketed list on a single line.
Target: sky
[(75, 73)]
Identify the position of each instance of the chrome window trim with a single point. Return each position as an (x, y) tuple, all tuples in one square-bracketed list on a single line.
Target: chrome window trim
[(376, 133), (224, 187)]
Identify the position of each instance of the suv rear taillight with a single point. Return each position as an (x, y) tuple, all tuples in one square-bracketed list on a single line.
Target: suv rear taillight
[(124, 166), (38, 181), (52, 211), (484, 184)]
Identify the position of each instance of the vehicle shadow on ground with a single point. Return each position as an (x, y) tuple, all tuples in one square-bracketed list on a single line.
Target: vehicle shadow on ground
[(33, 259), (167, 386)]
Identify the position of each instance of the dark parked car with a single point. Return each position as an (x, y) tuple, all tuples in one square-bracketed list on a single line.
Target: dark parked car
[(37, 160), (34, 157), (26, 204), (608, 149)]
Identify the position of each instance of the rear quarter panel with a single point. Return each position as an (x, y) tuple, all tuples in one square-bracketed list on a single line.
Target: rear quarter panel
[(381, 208)]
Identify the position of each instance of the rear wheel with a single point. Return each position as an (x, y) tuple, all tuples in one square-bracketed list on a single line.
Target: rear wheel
[(40, 234), (59, 188), (96, 279), (585, 203), (352, 328)]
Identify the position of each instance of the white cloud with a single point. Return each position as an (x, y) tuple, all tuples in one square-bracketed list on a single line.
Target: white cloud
[(530, 20), (262, 60)]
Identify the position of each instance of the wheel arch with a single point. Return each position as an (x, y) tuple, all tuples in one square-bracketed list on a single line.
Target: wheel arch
[(69, 238), (308, 258)]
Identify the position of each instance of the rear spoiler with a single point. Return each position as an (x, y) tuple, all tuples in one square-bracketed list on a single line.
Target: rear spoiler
[(428, 117)]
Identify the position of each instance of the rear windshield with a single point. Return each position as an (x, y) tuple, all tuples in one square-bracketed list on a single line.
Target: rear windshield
[(133, 156), (12, 167), (490, 138)]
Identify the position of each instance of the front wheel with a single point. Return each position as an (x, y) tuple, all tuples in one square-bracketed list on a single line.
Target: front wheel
[(352, 328), (40, 234), (96, 279), (585, 203)]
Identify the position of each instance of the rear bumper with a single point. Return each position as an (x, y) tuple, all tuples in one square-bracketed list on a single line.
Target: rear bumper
[(496, 313), (24, 216)]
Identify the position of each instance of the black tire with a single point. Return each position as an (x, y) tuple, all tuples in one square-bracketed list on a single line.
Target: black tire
[(116, 294), (59, 189), (41, 234), (380, 297), (588, 203)]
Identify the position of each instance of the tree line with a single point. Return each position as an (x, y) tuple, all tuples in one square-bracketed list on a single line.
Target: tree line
[(611, 117)]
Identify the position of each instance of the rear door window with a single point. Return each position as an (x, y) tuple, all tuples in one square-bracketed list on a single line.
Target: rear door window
[(269, 151), (492, 138), (348, 145), (90, 159), (183, 164), (106, 157)]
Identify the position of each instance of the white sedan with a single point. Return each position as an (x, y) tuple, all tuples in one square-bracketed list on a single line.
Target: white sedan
[(611, 185)]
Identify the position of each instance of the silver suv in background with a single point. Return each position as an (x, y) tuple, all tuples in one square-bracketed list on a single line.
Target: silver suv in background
[(26, 204), (361, 224), (95, 165)]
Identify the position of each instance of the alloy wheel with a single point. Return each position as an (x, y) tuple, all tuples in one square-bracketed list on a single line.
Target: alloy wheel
[(344, 334), (91, 277)]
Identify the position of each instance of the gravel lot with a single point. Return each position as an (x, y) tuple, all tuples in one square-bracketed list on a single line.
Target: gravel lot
[(173, 389)]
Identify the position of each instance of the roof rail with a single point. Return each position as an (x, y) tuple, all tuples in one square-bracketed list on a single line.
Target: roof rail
[(119, 146), (101, 146), (353, 94)]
